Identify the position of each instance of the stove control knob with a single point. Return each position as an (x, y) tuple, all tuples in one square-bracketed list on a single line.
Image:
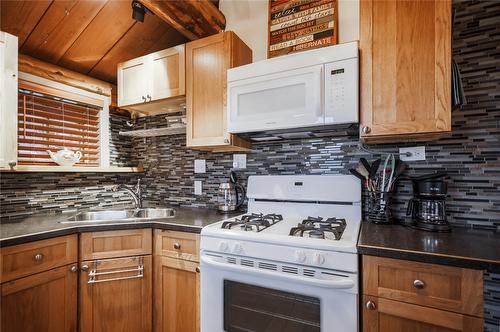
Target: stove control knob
[(300, 256), (318, 258), (238, 248), (223, 246)]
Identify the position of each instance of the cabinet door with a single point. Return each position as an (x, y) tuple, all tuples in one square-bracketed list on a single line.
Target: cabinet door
[(176, 295), (8, 105), (382, 315), (116, 295), (207, 62), (405, 51), (166, 72), (44, 301), (133, 81)]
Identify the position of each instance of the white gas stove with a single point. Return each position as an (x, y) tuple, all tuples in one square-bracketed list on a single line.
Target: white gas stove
[(295, 248)]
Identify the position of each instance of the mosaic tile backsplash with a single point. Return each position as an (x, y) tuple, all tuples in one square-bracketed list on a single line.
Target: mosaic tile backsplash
[(470, 155)]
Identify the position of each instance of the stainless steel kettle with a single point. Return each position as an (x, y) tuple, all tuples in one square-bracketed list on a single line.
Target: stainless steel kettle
[(231, 195)]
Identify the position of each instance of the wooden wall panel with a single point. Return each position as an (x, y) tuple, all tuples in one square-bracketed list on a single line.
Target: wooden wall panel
[(143, 38), (114, 20), (59, 27), (19, 18)]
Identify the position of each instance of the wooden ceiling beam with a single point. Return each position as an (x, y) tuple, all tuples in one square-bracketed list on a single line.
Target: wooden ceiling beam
[(193, 18), (55, 73)]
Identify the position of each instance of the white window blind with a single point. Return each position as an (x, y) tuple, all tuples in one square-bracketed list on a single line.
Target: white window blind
[(51, 122)]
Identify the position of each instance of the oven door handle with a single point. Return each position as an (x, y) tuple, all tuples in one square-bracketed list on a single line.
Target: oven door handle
[(339, 283)]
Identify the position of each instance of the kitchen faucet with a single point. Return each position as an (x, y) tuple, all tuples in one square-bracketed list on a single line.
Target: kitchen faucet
[(135, 192)]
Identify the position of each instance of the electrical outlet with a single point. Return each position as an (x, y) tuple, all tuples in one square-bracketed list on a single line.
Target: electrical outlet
[(417, 153), (200, 166), (239, 161), (197, 188)]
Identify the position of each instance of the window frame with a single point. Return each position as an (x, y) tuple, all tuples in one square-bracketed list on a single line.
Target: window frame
[(104, 102)]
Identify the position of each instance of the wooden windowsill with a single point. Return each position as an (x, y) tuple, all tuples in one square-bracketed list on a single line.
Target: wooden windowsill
[(72, 169)]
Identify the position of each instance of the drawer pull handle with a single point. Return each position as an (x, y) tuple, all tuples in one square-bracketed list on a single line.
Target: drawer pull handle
[(419, 284), (74, 268), (370, 305), (197, 269), (38, 257), (84, 268), (177, 245)]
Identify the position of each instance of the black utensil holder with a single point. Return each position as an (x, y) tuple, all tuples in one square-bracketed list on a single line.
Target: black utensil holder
[(378, 207)]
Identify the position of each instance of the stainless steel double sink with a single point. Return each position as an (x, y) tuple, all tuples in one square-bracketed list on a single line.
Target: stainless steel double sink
[(121, 215)]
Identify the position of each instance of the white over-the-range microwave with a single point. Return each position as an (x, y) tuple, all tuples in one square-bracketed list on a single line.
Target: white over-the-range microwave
[(308, 89)]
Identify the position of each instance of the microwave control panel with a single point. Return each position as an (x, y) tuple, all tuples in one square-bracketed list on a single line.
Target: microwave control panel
[(341, 91)]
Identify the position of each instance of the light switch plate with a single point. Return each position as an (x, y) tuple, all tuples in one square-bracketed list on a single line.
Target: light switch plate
[(239, 161), (200, 166), (417, 153), (197, 188)]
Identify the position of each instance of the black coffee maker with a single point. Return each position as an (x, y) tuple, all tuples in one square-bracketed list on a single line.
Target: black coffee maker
[(427, 208)]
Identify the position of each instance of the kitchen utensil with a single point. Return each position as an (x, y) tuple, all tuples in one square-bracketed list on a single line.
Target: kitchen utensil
[(374, 168), (366, 165), (231, 194), (357, 174), (393, 166)]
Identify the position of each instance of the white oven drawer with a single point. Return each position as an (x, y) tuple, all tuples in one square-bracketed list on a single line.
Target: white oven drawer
[(282, 100)]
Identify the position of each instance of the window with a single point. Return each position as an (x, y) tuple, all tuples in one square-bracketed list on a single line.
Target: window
[(51, 119)]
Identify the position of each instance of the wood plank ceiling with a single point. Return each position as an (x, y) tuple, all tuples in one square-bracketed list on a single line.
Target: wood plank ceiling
[(87, 36)]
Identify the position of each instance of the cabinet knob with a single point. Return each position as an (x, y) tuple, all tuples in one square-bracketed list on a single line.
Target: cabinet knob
[(177, 245), (370, 305), (84, 268), (38, 257), (366, 130), (74, 268), (419, 284), (197, 269)]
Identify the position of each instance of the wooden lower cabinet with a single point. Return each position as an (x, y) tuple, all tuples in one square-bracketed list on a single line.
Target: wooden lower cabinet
[(46, 301), (116, 295), (407, 296), (383, 315), (176, 295)]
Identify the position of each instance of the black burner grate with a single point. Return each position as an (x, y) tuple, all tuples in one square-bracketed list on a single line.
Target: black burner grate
[(316, 227), (254, 222)]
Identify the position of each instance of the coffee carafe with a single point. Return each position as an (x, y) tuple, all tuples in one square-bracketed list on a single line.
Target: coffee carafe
[(231, 195), (428, 205)]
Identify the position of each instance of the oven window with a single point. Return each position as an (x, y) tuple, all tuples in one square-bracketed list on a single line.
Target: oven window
[(251, 308)]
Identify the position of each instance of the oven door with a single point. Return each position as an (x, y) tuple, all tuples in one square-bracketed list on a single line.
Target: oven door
[(239, 294)]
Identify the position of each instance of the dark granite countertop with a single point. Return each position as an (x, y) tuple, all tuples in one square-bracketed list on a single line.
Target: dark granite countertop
[(469, 248), (45, 226)]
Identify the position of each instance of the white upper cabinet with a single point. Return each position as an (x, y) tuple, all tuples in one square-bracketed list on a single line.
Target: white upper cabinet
[(8, 100), (153, 83)]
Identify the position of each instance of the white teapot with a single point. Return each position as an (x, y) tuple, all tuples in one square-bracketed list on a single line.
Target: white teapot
[(65, 157)]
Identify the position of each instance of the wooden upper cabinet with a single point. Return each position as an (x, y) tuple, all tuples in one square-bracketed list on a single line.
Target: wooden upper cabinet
[(46, 301), (405, 52), (132, 82), (154, 83), (207, 62)]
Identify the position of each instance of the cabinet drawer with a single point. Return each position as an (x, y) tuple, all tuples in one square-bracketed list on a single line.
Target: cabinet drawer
[(443, 287), (29, 258), (177, 245), (382, 315), (110, 244)]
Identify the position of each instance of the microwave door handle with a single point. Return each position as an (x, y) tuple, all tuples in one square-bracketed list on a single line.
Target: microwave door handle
[(339, 283)]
